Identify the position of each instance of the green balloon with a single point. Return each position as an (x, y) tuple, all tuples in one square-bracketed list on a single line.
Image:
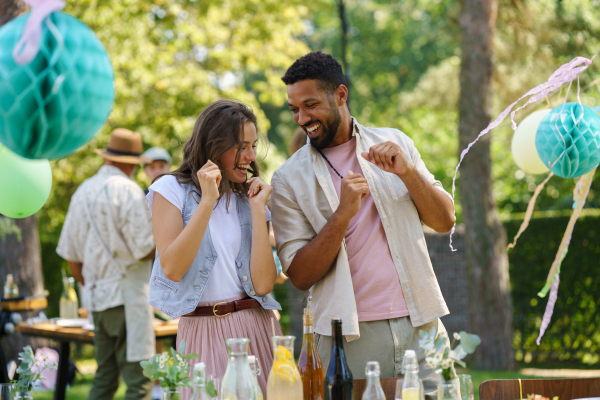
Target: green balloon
[(24, 184)]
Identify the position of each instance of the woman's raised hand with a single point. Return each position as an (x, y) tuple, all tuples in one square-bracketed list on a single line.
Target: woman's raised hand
[(210, 179), (259, 192)]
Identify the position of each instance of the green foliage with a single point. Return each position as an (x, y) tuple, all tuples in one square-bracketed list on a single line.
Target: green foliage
[(171, 59), (573, 335), (28, 378), (170, 368), (442, 355)]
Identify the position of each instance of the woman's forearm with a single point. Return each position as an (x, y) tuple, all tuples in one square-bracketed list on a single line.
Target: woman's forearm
[(262, 265), (178, 257)]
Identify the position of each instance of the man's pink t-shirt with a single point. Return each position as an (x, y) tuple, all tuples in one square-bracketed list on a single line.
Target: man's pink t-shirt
[(376, 284)]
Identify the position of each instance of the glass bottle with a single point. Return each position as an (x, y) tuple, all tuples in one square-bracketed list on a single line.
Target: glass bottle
[(199, 382), (373, 390), (284, 381), (338, 380), (11, 290), (255, 367), (69, 303), (412, 388), (238, 382), (309, 363)]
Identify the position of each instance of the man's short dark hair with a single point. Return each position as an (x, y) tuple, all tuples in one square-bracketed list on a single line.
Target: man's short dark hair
[(318, 66)]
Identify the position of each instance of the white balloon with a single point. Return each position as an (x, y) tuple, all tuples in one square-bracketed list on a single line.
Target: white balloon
[(523, 144)]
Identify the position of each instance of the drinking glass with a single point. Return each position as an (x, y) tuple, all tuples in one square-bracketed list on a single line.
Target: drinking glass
[(7, 391), (399, 384), (217, 382), (466, 387)]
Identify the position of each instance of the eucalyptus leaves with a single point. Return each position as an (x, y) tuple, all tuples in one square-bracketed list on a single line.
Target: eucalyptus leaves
[(439, 355), (170, 368), (27, 377)]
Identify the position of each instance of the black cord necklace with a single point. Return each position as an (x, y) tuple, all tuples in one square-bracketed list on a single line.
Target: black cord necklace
[(328, 162)]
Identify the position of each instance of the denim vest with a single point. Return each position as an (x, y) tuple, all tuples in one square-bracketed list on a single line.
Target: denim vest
[(179, 298)]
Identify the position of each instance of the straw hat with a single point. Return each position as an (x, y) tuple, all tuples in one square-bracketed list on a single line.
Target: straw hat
[(124, 146)]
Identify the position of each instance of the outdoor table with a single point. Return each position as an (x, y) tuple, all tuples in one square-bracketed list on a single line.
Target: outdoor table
[(65, 336)]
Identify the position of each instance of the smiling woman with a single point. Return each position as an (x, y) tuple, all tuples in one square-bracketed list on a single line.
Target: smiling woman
[(211, 229)]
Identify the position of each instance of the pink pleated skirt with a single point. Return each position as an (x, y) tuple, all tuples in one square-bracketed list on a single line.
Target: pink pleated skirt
[(206, 337)]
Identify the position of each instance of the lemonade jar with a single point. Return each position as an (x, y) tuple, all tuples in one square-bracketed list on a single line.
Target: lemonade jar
[(284, 381)]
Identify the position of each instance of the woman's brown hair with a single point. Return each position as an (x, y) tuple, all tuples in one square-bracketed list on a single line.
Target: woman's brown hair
[(217, 130)]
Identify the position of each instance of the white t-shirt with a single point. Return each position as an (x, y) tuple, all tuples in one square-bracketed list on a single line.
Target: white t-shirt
[(226, 236)]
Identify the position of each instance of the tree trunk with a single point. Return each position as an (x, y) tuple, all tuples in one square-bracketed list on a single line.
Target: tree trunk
[(490, 305), (22, 258), (344, 43), (10, 9)]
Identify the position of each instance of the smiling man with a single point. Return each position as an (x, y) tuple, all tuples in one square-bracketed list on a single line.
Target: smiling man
[(347, 213)]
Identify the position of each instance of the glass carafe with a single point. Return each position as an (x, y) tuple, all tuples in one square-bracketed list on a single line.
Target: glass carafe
[(69, 304), (239, 381), (284, 379)]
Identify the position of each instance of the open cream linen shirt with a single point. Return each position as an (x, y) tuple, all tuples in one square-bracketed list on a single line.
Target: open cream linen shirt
[(120, 212), (304, 199)]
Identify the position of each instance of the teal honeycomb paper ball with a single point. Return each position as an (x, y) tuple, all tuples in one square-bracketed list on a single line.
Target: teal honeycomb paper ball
[(56, 103), (580, 127), (25, 184)]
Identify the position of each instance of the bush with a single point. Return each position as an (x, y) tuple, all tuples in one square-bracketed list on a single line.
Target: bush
[(573, 334)]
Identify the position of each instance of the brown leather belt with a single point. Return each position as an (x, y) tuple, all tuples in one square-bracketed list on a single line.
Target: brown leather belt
[(224, 308)]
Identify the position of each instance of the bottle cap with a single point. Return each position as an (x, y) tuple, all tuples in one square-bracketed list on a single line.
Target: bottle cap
[(251, 359), (372, 368), (9, 278), (199, 366), (307, 318), (410, 362)]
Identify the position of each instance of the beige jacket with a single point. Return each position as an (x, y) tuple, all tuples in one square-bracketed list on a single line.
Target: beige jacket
[(304, 199)]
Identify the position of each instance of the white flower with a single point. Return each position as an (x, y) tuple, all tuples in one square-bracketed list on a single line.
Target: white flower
[(438, 357), (430, 361), (446, 364), (162, 364), (456, 336)]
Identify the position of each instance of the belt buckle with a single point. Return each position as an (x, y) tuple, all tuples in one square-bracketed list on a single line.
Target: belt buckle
[(215, 310)]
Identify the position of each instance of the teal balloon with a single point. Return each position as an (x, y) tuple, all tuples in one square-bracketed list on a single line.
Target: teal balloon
[(24, 184), (56, 103), (579, 126)]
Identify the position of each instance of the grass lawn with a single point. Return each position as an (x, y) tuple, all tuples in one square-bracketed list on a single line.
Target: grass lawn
[(79, 390)]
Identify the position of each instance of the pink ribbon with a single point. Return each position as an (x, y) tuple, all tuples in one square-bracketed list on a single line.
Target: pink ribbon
[(564, 74), (549, 308), (29, 44)]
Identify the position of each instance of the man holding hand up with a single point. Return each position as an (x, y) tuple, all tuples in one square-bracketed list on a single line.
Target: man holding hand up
[(347, 213)]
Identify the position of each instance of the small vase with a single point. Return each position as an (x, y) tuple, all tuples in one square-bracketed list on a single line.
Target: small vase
[(171, 393), (23, 395), (449, 389)]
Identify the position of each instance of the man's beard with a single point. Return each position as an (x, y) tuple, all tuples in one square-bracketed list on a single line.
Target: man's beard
[(330, 128)]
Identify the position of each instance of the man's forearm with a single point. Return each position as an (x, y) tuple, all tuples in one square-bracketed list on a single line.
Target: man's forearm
[(314, 260), (76, 268), (434, 207)]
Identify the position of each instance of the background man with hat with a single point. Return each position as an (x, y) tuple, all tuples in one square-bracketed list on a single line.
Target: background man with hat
[(108, 243), (160, 164)]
